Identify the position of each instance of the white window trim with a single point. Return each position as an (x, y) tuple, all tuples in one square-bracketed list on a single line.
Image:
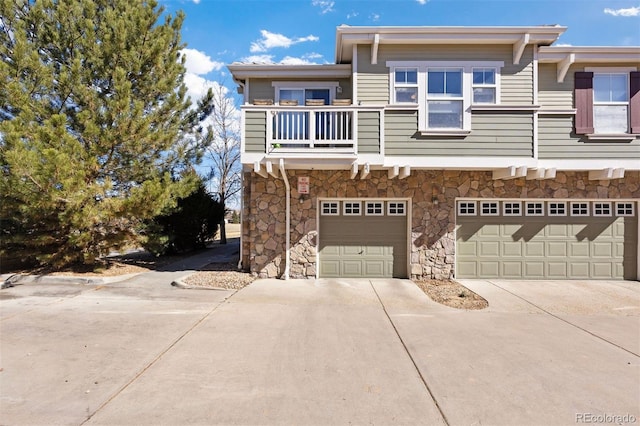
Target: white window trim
[(400, 85), (352, 203), (298, 85), (404, 208), (366, 208), (613, 70), (475, 208), (563, 203), (504, 208), (604, 203), (579, 215), (495, 85), (323, 203), (633, 210), (497, 205), (467, 89), (526, 208)]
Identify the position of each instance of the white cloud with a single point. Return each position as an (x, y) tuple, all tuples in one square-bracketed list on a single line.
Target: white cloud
[(312, 55), (422, 1), (563, 45), (197, 86), (196, 1), (632, 11), (352, 15), (290, 60), (199, 63), (326, 6), (375, 17), (258, 59), (270, 40)]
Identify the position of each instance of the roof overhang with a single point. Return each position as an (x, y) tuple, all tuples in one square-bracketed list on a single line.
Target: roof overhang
[(245, 71), (518, 37), (565, 56)]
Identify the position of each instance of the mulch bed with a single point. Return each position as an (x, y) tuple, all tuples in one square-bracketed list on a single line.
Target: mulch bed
[(452, 294)]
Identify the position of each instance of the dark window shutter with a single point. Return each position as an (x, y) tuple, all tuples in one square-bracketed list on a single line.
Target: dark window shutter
[(634, 101), (583, 94)]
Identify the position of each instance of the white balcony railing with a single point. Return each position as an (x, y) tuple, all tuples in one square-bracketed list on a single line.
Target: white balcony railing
[(304, 129)]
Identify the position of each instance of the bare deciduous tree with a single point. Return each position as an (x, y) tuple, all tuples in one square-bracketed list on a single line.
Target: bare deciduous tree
[(223, 152)]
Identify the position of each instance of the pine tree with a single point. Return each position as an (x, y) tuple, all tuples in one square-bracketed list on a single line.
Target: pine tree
[(95, 125)]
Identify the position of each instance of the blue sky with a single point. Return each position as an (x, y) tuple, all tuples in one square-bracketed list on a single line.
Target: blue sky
[(219, 32)]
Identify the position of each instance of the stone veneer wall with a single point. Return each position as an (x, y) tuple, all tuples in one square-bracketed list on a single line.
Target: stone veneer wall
[(432, 227)]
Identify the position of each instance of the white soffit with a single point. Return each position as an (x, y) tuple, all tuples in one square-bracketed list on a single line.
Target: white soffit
[(565, 56)]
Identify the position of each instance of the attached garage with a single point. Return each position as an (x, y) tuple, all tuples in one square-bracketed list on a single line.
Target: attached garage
[(546, 239), (363, 238)]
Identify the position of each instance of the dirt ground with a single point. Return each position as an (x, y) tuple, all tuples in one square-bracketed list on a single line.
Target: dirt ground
[(452, 294), (220, 275)]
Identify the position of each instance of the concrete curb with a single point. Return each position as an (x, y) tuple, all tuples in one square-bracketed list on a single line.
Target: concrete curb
[(19, 279), (179, 283)]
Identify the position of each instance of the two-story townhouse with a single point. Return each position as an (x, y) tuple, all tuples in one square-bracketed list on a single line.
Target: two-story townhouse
[(443, 152)]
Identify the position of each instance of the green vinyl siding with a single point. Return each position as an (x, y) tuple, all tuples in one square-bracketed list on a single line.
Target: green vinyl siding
[(368, 132), (493, 134), (255, 131), (556, 140), (552, 94), (373, 79)]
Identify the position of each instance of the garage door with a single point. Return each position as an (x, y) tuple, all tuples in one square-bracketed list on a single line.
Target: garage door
[(363, 239), (546, 240)]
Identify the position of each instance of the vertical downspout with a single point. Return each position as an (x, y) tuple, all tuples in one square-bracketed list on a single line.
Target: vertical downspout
[(287, 219), (241, 217)]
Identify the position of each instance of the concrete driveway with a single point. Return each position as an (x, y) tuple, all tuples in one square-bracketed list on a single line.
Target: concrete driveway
[(319, 352)]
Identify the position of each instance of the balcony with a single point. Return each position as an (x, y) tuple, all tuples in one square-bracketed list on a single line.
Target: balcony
[(326, 129)]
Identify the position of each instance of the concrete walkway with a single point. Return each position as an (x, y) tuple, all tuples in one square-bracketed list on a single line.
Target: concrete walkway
[(317, 352)]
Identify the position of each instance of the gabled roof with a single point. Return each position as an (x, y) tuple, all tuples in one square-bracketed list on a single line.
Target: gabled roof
[(519, 37)]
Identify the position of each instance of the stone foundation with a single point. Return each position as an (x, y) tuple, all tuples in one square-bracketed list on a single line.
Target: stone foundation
[(433, 195)]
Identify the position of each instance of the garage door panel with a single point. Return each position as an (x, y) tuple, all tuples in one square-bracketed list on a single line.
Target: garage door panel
[(351, 268), (552, 247), (330, 268), (374, 268), (557, 249), (349, 250)]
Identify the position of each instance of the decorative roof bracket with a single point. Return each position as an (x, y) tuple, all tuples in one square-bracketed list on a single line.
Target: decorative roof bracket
[(518, 48)]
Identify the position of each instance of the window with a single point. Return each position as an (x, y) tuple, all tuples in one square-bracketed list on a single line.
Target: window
[(329, 208), (467, 208), (512, 209), (607, 101), (302, 91), (610, 103), (557, 209), (535, 209), (624, 209), (352, 208), (374, 208), (579, 209), (444, 91), (602, 209), (445, 101), (406, 85), (484, 85), (489, 208), (396, 208)]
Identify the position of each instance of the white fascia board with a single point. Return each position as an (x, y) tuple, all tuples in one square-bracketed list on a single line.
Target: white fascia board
[(613, 54), (627, 164), (469, 163), (243, 71)]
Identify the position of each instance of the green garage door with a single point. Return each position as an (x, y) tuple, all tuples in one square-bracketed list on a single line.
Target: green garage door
[(546, 240), (363, 239)]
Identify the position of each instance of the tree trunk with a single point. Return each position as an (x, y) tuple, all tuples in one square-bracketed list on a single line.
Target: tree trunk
[(223, 232)]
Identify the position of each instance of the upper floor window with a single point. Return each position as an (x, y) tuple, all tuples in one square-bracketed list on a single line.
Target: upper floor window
[(444, 91), (302, 91), (484, 86), (607, 101), (610, 103), (406, 85)]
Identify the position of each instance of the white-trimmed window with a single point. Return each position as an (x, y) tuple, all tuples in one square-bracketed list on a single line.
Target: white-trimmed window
[(397, 208), (406, 85), (579, 209), (512, 208), (489, 208), (602, 209), (374, 208), (610, 102), (624, 209), (352, 208), (445, 98), (330, 208), (445, 91), (484, 85), (467, 208), (301, 91), (535, 208), (557, 208)]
